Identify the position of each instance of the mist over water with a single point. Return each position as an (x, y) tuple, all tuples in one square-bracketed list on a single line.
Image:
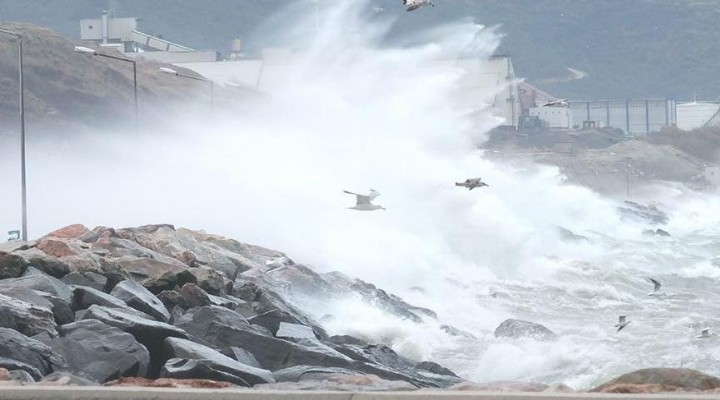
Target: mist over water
[(353, 113)]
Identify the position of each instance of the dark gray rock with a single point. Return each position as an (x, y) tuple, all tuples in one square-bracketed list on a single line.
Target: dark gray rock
[(647, 213), (453, 331), (61, 309), (87, 278), (100, 352), (16, 346), (272, 319), (15, 365), (141, 299), (85, 296), (346, 339), (185, 349), (25, 317), (149, 333), (197, 318), (48, 264), (38, 280), (516, 329), (300, 373), (435, 368), (21, 376), (242, 356), (12, 265)]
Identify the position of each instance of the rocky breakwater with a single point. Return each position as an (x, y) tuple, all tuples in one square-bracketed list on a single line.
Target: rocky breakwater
[(159, 306)]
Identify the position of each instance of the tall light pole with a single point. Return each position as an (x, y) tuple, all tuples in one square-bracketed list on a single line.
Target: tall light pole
[(23, 180), (171, 71), (89, 51)]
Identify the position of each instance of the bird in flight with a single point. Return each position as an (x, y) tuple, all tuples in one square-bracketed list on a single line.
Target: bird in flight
[(363, 202), (472, 183), (622, 323), (656, 290), (706, 333), (415, 4)]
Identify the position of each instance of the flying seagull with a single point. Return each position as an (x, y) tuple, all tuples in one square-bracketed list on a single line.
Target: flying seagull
[(656, 290), (706, 333), (364, 201), (472, 183), (415, 4), (622, 322)]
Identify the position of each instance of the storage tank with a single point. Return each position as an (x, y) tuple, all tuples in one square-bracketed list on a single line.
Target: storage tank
[(694, 115)]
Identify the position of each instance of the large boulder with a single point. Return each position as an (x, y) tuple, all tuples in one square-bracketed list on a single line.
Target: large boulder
[(45, 262), (86, 278), (12, 265), (37, 280), (26, 318), (652, 380), (516, 329), (156, 275), (84, 297), (17, 366), (139, 298), (208, 362), (100, 352), (16, 346), (149, 333)]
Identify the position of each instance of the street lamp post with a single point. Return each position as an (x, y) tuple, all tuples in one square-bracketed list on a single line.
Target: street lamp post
[(171, 71), (89, 51), (23, 180)]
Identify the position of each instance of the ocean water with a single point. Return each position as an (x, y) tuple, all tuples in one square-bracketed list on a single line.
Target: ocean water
[(353, 111)]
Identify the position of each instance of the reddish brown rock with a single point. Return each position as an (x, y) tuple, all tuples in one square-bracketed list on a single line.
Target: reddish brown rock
[(69, 232), (660, 379), (55, 247), (170, 383), (636, 389)]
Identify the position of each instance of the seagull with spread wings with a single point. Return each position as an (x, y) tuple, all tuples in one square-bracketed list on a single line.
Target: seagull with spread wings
[(364, 201)]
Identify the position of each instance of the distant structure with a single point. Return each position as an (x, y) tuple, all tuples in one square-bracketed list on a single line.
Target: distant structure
[(697, 114), (122, 33)]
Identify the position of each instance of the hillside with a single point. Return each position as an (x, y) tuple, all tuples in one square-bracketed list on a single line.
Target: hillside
[(641, 48), (61, 84)]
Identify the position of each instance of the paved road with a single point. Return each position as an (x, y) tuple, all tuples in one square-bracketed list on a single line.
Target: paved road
[(133, 393)]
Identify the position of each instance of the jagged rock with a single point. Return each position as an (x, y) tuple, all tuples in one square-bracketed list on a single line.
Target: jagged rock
[(64, 378), (12, 265), (346, 339), (649, 213), (14, 365), (60, 308), (296, 331), (87, 278), (308, 372), (25, 317), (172, 299), (84, 297), (170, 383), (69, 232), (194, 296), (670, 379), (209, 364), (435, 368), (22, 376), (272, 309), (37, 280), (16, 346), (452, 331), (100, 352), (156, 275), (197, 318), (515, 328), (149, 333), (139, 298), (212, 281), (242, 356), (44, 262)]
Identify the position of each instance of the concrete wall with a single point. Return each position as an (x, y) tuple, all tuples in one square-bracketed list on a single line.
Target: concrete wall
[(694, 115), (554, 117)]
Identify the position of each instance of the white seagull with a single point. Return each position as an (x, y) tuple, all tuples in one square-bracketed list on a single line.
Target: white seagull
[(622, 323), (472, 183), (415, 4), (656, 290), (364, 201), (706, 333)]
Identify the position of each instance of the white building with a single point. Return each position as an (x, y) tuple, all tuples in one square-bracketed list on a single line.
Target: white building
[(696, 114), (553, 117)]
